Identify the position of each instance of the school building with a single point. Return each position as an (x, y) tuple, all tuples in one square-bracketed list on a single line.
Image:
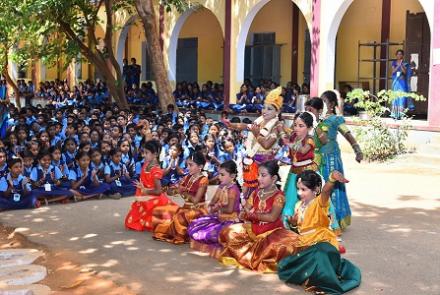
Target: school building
[(327, 43)]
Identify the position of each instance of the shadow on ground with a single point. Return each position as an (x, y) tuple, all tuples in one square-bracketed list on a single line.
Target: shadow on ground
[(396, 249)]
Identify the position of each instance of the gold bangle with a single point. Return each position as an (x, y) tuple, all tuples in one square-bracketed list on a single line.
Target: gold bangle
[(331, 179)]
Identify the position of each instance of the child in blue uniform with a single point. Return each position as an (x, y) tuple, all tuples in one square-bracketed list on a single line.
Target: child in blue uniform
[(46, 180), (118, 177), (96, 163), (15, 189), (84, 180), (3, 164), (69, 154)]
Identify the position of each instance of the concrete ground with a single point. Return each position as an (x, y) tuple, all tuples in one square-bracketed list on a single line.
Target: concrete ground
[(394, 238)]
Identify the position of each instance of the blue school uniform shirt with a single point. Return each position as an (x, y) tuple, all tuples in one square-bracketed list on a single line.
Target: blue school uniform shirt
[(38, 173), (128, 161), (76, 174), (27, 171), (18, 183), (111, 168), (209, 166), (62, 166), (172, 177), (55, 140), (69, 159), (137, 141), (4, 170), (100, 168), (138, 168)]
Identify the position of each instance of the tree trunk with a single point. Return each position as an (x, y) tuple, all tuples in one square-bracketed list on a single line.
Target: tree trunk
[(114, 84), (148, 16), (11, 82)]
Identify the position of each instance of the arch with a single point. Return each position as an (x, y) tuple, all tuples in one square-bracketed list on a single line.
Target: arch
[(174, 38), (122, 37), (427, 5), (244, 31)]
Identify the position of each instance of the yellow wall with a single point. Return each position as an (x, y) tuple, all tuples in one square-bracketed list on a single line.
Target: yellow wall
[(398, 17), (362, 22), (135, 38), (203, 25), (301, 39)]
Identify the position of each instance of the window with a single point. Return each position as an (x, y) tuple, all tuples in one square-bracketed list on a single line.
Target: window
[(262, 58)]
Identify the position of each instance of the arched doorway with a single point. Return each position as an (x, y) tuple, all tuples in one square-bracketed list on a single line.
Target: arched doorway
[(357, 46), (276, 35), (132, 44), (195, 52)]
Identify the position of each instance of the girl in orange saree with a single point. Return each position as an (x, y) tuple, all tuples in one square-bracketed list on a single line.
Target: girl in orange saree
[(149, 191), (193, 189), (262, 241)]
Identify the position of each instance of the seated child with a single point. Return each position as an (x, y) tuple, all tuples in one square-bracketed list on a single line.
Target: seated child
[(84, 180), (223, 208), (46, 179), (193, 189), (149, 190), (118, 177), (15, 189), (318, 256), (173, 166)]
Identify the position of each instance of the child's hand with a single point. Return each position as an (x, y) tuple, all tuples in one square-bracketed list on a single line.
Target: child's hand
[(338, 176), (359, 157), (52, 175), (293, 220), (255, 129), (139, 185), (280, 127), (94, 173)]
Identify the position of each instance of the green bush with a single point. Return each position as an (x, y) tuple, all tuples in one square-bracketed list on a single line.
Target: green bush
[(378, 142)]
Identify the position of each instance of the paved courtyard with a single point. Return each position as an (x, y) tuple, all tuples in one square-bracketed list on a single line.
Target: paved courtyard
[(394, 239)]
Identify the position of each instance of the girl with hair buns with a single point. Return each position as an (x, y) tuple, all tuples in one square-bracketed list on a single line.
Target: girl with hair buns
[(301, 151), (331, 156), (262, 141), (318, 264)]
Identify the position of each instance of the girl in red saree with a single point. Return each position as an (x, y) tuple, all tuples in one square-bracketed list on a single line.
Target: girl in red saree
[(149, 190), (262, 241), (193, 189)]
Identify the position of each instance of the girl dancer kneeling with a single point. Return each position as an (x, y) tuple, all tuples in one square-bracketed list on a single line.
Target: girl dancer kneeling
[(149, 193), (224, 209), (318, 264), (262, 241), (193, 189)]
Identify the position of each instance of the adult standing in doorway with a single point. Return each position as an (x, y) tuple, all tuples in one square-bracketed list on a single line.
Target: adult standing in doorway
[(135, 72), (401, 76), (126, 73)]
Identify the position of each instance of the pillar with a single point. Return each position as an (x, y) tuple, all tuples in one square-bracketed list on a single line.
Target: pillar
[(434, 87), (384, 37), (295, 43), (227, 53), (315, 38)]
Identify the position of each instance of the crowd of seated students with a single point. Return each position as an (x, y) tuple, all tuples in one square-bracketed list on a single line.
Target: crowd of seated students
[(191, 95), (250, 98)]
